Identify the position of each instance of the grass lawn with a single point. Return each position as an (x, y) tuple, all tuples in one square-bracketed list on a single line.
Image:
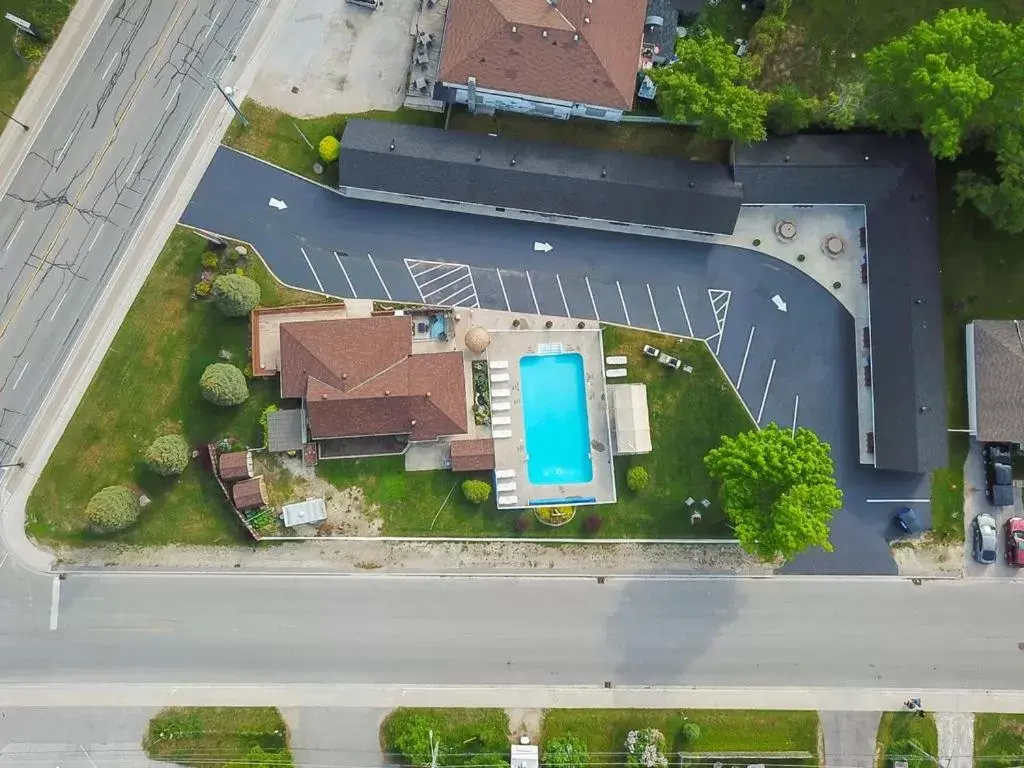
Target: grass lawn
[(147, 385), (896, 727), (701, 406), (213, 737), (274, 136), (463, 733), (48, 17), (721, 730), (998, 740)]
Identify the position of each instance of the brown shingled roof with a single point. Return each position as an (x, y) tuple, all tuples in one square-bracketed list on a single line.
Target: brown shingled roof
[(999, 380), (599, 68), (360, 378), (249, 494), (235, 466), (472, 455)]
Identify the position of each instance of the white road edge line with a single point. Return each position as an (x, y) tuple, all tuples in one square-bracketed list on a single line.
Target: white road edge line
[(564, 302), (536, 306), (88, 756), (796, 405), (383, 284), (743, 365), (54, 603), (686, 315), (345, 273), (654, 309), (441, 289), (503, 293), (623, 300), (14, 234), (451, 271), (764, 397), (897, 501), (310, 265), (17, 381), (96, 236), (412, 276), (593, 303), (57, 308)]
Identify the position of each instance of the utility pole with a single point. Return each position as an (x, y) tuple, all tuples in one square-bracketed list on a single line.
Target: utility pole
[(13, 119), (226, 93)]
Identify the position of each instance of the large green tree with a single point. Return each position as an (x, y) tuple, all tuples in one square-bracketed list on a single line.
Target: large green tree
[(952, 77), (777, 489), (1000, 199), (710, 85)]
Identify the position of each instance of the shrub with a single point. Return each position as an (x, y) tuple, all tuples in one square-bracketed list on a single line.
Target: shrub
[(521, 524), (646, 748), (263, 423), (236, 295), (408, 733), (592, 523), (476, 491), (637, 479), (566, 752), (690, 732), (168, 455), (210, 260), (791, 111), (202, 289), (112, 509), (329, 148), (223, 384)]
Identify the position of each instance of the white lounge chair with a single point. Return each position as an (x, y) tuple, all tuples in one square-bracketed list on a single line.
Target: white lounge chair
[(499, 378), (501, 421), (501, 406), (500, 392), (616, 360), (616, 373), (504, 474), (499, 365), (501, 434), (508, 501), (506, 487)]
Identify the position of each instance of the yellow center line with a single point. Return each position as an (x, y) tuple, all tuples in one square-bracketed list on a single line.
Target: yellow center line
[(99, 161)]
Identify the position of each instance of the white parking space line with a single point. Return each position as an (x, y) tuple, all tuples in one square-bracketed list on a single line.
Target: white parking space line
[(57, 308), (345, 273), (412, 274), (503, 293), (442, 288), (654, 309), (686, 315), (54, 603), (442, 282), (535, 304), (442, 276), (17, 381), (383, 284), (796, 407), (96, 236), (743, 365), (720, 306), (564, 302), (458, 291), (310, 265), (593, 303), (431, 268), (764, 397), (898, 501), (14, 234), (623, 300)]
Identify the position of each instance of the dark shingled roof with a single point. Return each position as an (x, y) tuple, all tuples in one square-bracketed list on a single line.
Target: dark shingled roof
[(894, 178), (545, 178), (999, 381)]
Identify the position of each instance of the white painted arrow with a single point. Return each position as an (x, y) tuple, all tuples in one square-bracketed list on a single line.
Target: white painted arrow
[(545, 247), (279, 204), (779, 303)]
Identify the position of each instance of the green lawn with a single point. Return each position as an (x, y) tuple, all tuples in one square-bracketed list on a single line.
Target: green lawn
[(275, 136), (464, 734), (702, 406), (147, 385), (897, 728), (722, 730), (48, 17), (998, 740), (213, 737)]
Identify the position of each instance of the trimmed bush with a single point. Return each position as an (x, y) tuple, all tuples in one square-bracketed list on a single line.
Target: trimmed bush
[(223, 384), (202, 289), (168, 455), (637, 479), (236, 295), (408, 733), (264, 417), (690, 732), (329, 148), (210, 260), (112, 509), (566, 752), (476, 491)]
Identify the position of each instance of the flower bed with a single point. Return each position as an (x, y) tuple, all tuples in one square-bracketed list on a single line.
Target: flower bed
[(481, 394), (555, 516)]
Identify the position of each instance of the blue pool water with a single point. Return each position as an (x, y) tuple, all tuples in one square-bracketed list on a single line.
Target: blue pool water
[(555, 418)]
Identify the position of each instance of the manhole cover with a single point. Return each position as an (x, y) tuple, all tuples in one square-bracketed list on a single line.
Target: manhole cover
[(786, 229)]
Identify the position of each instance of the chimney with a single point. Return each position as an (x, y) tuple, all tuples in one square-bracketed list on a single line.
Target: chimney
[(387, 392), (428, 394), (544, 33), (323, 396)]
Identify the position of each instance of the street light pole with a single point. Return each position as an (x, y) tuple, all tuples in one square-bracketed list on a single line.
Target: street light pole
[(227, 96), (13, 119), (18, 464)]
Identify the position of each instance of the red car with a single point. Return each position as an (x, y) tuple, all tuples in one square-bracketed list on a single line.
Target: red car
[(1015, 542)]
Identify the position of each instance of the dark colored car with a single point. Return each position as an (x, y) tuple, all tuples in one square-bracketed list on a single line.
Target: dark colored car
[(1015, 542), (999, 484), (1000, 495), (906, 521), (984, 541), (997, 452)]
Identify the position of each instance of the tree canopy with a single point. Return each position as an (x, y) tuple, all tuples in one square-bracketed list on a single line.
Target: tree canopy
[(710, 85), (167, 455), (235, 295), (1000, 199), (112, 509), (777, 489), (224, 384)]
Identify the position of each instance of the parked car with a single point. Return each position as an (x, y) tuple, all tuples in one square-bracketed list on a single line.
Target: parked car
[(906, 521), (996, 452), (999, 484), (983, 544), (1015, 542)]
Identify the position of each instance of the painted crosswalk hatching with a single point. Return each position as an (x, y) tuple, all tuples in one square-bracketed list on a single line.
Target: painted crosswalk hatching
[(443, 283)]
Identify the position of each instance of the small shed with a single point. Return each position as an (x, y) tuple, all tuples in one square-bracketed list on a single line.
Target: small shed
[(236, 465), (472, 455), (630, 419), (286, 430), (525, 756), (304, 512), (250, 494)]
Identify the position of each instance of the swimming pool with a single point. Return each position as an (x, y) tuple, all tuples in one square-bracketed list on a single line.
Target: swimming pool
[(554, 399)]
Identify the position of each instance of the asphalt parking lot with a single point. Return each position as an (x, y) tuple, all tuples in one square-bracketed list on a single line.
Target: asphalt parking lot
[(795, 367)]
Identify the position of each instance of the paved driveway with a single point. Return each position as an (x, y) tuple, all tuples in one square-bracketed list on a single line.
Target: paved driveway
[(794, 368), (975, 502)]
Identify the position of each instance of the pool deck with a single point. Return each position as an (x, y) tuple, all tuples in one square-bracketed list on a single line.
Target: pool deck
[(508, 347)]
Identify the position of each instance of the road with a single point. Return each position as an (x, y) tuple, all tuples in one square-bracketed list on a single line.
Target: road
[(235, 629), (70, 213)]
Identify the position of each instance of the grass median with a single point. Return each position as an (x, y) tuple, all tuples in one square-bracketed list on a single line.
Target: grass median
[(219, 737), (998, 740), (907, 736)]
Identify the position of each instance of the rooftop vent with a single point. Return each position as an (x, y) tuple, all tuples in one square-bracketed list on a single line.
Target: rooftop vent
[(833, 246), (545, 32), (785, 230), (514, 28), (576, 37), (586, 19)]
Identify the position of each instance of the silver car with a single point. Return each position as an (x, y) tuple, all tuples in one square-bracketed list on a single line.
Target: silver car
[(985, 537)]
